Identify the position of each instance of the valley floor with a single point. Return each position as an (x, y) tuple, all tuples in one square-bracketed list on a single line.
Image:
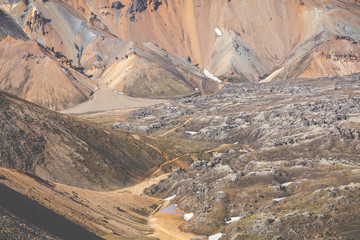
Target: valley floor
[(106, 99), (254, 161)]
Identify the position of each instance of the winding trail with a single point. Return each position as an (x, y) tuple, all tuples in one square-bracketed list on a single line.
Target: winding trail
[(167, 162), (218, 148), (172, 130)]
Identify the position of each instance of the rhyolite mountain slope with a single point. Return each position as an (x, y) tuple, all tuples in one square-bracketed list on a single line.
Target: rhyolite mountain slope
[(31, 72), (160, 49)]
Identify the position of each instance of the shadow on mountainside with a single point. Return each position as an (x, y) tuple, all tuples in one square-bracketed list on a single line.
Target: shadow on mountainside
[(34, 213)]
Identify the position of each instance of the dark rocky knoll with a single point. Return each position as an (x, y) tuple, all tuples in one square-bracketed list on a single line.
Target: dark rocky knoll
[(288, 166)]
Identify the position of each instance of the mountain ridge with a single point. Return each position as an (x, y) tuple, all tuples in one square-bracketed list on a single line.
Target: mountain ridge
[(233, 40)]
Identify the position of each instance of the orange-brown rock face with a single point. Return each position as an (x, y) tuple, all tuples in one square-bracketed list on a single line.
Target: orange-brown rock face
[(28, 71), (239, 40), (338, 56), (257, 38)]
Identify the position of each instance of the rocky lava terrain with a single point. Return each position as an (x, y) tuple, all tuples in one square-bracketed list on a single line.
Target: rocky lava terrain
[(288, 165)]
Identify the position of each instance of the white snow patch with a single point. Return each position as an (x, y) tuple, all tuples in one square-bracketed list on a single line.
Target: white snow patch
[(278, 199), (40, 41), (121, 93), (233, 219), (188, 216), (286, 184), (196, 89), (218, 32), (191, 132), (170, 198), (272, 75), (215, 236), (211, 76)]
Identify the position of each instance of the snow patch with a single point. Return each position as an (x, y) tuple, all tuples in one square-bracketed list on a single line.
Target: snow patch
[(286, 184), (278, 199), (215, 236), (191, 133), (188, 216), (40, 41), (170, 198), (211, 76), (218, 32), (272, 75), (121, 93), (233, 219)]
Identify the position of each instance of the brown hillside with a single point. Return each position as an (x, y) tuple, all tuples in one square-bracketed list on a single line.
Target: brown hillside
[(65, 150)]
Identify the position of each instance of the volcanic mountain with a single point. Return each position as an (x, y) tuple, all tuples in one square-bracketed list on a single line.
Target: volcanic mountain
[(165, 49)]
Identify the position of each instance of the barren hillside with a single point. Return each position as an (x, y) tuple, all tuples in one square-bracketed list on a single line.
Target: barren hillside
[(66, 150)]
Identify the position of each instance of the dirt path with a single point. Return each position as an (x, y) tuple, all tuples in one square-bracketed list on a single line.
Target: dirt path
[(218, 148), (158, 150), (167, 162), (167, 226), (138, 189), (136, 137), (171, 130)]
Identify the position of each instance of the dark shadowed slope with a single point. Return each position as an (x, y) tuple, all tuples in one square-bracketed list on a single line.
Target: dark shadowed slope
[(9, 27), (35, 214), (75, 152), (70, 151)]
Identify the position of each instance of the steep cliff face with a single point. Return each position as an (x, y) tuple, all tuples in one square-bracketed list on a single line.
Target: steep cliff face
[(248, 40)]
